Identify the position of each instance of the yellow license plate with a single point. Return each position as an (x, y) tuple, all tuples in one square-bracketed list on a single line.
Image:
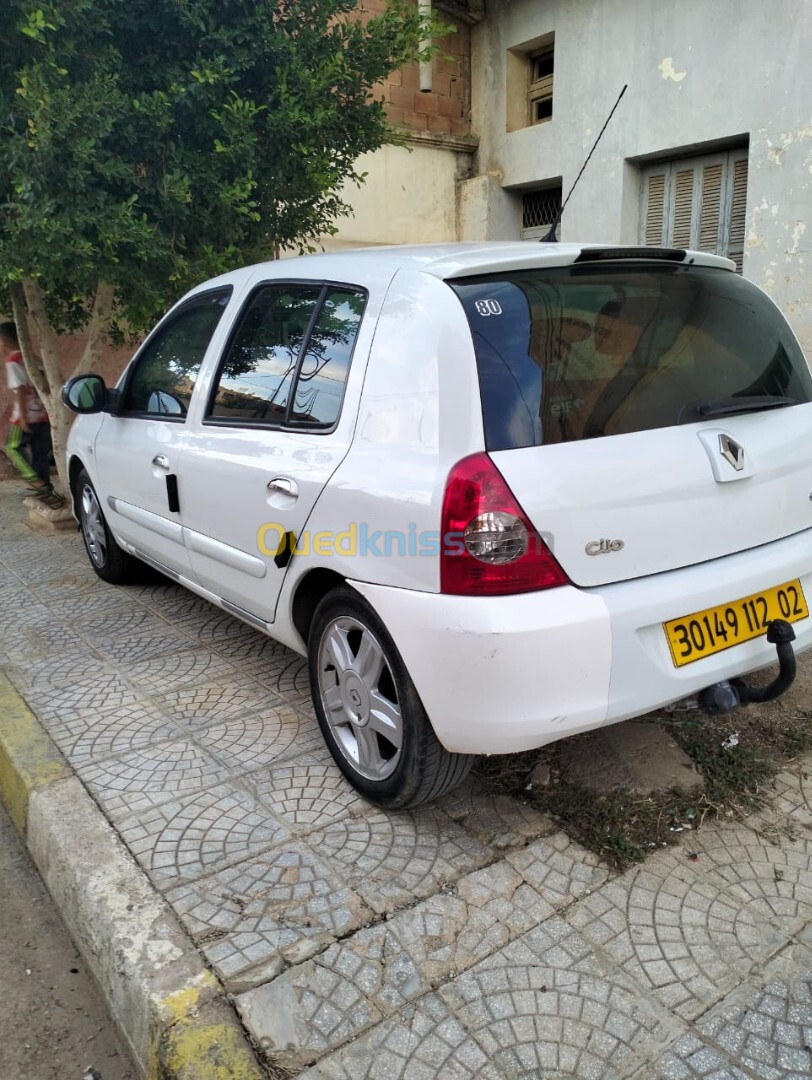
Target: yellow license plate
[(704, 633)]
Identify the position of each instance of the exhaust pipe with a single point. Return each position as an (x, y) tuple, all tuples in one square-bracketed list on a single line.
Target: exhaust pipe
[(725, 696)]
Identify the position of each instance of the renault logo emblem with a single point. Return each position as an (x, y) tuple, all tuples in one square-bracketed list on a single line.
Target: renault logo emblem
[(731, 452)]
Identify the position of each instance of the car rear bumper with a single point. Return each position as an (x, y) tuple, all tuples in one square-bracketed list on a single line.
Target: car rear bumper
[(504, 674)]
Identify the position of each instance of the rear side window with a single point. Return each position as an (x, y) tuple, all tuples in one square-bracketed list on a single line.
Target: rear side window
[(586, 351), (289, 359)]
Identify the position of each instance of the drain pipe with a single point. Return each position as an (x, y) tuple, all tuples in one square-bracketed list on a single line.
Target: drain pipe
[(424, 7)]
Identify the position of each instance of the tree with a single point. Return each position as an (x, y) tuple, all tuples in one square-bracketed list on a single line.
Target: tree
[(150, 144)]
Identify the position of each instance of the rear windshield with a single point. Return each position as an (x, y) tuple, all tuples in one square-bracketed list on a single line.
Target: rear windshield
[(585, 351)]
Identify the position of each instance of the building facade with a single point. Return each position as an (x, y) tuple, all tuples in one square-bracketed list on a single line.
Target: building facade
[(710, 146)]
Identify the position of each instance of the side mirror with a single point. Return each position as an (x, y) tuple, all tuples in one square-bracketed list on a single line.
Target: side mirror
[(85, 394)]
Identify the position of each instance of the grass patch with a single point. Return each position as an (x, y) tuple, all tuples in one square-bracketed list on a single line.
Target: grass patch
[(737, 756)]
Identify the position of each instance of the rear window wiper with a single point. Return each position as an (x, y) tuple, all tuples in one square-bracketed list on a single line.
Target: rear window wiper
[(731, 406)]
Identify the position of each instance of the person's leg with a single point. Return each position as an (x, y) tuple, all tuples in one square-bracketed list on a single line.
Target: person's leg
[(15, 455), (39, 445)]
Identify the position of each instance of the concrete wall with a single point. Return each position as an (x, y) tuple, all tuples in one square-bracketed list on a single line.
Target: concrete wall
[(410, 192), (700, 72), (409, 197)]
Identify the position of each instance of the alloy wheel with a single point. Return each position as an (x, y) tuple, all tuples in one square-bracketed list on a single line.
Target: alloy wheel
[(359, 697)]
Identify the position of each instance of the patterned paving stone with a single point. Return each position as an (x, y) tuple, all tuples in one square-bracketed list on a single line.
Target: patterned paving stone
[(451, 931), (248, 647), (101, 692), (257, 739), (763, 1028), (89, 739), (52, 638), (774, 882), (199, 833), (497, 820), (285, 672), (163, 674), (559, 869), (790, 804), (296, 1022), (20, 612), (674, 930), (86, 602), (115, 623), (196, 706), (691, 1058), (213, 628), (173, 602), (279, 908), (148, 775), (319, 1005), (423, 1042), (143, 644), (546, 1006), (392, 859), (56, 671), (307, 793)]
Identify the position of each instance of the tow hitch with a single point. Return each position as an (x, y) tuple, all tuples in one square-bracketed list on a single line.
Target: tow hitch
[(727, 695)]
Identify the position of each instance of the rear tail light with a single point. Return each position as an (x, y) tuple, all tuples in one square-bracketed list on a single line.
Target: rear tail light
[(489, 546)]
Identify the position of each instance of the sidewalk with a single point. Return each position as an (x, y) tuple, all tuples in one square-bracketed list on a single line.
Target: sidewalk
[(467, 939)]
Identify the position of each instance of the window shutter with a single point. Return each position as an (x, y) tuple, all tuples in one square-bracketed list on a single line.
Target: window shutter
[(683, 207), (655, 209), (697, 202), (711, 208), (738, 207)]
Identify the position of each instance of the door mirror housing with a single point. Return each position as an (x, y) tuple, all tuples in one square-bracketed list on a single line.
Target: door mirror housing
[(86, 394)]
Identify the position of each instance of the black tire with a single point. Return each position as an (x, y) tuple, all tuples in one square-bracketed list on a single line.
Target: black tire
[(347, 636), (106, 557)]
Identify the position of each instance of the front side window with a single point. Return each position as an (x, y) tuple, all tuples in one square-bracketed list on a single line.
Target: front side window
[(586, 351), (165, 372), (289, 359)]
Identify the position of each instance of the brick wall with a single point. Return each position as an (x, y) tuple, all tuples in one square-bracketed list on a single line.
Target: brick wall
[(446, 109)]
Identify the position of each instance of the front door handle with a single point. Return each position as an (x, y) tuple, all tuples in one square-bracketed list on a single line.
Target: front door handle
[(283, 486), (161, 461)]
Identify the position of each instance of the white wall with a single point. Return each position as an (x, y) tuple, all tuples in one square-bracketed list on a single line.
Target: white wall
[(698, 71), (409, 197)]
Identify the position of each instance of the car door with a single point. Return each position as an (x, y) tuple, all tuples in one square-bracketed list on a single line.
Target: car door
[(137, 449), (269, 438)]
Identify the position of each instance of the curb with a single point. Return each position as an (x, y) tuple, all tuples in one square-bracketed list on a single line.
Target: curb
[(171, 1010)]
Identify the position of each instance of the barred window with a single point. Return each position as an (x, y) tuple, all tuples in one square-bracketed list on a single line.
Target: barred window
[(539, 210)]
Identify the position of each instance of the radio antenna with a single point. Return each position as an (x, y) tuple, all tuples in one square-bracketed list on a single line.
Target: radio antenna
[(550, 238)]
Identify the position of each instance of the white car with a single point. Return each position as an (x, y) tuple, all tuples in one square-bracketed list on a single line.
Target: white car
[(497, 493)]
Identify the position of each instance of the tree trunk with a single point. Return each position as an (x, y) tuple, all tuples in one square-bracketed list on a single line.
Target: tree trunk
[(30, 313), (61, 420)]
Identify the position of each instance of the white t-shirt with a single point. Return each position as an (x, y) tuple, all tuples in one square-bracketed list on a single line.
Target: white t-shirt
[(16, 377)]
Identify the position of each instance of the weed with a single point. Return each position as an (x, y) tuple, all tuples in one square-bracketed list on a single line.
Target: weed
[(737, 756)]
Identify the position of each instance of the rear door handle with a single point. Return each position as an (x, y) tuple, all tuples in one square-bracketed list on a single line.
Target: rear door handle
[(161, 461), (283, 486)]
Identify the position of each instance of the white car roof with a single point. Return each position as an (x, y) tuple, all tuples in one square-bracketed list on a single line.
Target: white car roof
[(445, 260)]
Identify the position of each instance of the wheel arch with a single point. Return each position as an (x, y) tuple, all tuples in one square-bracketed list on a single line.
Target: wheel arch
[(75, 466), (309, 593)]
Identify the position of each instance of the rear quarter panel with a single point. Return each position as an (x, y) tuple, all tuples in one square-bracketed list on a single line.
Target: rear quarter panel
[(419, 413)]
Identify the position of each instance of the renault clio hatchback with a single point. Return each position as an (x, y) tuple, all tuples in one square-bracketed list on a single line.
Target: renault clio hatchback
[(498, 494)]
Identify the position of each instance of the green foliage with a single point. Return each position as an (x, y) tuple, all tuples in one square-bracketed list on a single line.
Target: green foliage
[(153, 143)]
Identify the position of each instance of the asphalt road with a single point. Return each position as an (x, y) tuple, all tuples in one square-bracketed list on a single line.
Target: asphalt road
[(53, 1022)]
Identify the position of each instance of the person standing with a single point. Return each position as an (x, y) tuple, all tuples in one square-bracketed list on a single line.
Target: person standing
[(30, 430)]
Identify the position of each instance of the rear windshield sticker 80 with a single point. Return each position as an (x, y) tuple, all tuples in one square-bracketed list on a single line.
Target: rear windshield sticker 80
[(489, 307)]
